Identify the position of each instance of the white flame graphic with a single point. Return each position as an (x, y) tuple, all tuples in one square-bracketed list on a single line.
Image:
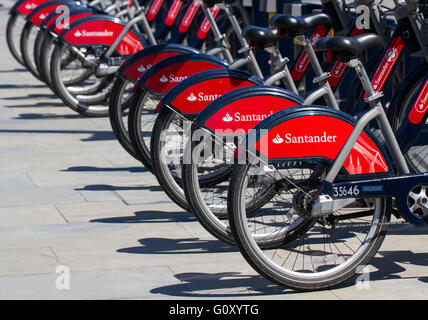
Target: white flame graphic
[(77, 34), (278, 139), (141, 68), (227, 117), (163, 79), (191, 97)]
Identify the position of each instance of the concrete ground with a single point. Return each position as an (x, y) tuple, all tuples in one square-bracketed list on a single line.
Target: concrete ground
[(70, 196)]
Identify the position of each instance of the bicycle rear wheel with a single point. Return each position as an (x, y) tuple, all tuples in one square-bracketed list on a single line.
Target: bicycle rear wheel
[(311, 253), (77, 85), (14, 28), (417, 154)]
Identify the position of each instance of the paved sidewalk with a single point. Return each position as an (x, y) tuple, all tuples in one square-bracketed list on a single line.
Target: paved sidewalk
[(71, 196)]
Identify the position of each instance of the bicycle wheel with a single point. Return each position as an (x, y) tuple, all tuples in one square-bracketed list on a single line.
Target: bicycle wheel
[(206, 183), (141, 119), (38, 47), (169, 141), (311, 253), (167, 146), (76, 83), (28, 41), (14, 27), (120, 100), (45, 60), (417, 154)]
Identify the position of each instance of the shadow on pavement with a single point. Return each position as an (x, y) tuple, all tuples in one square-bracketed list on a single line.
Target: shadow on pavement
[(178, 246), (96, 169), (43, 116), (14, 70), (32, 96), (21, 86), (222, 284), (150, 216), (107, 187), (390, 264)]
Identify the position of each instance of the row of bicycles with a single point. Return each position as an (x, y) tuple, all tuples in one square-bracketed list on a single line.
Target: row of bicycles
[(299, 143)]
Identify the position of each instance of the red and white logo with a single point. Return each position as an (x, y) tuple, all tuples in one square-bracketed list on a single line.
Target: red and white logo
[(84, 33), (227, 118), (203, 97), (291, 139), (30, 6), (192, 97), (388, 62), (172, 78), (189, 16), (141, 68), (392, 55), (240, 117), (277, 139), (420, 107)]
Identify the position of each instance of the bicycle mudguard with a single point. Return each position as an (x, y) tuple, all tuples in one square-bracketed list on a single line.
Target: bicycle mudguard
[(39, 14), (135, 66), (308, 134), (25, 7), (238, 111), (102, 30), (167, 73), (193, 94)]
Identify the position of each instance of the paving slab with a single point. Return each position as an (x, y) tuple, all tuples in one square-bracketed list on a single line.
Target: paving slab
[(34, 215), (26, 261), (100, 284)]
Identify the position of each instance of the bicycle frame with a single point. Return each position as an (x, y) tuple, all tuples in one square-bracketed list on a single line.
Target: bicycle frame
[(398, 185)]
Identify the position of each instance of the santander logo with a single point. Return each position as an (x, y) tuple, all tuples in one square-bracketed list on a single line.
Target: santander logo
[(277, 139), (202, 97), (143, 68), (423, 106), (42, 16), (392, 55), (163, 79), (192, 97), (227, 118), (29, 6), (171, 78), (315, 38), (85, 33), (290, 139), (239, 117)]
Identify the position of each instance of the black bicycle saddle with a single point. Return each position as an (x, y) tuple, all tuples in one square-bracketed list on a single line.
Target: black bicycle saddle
[(292, 26), (259, 37), (347, 48)]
